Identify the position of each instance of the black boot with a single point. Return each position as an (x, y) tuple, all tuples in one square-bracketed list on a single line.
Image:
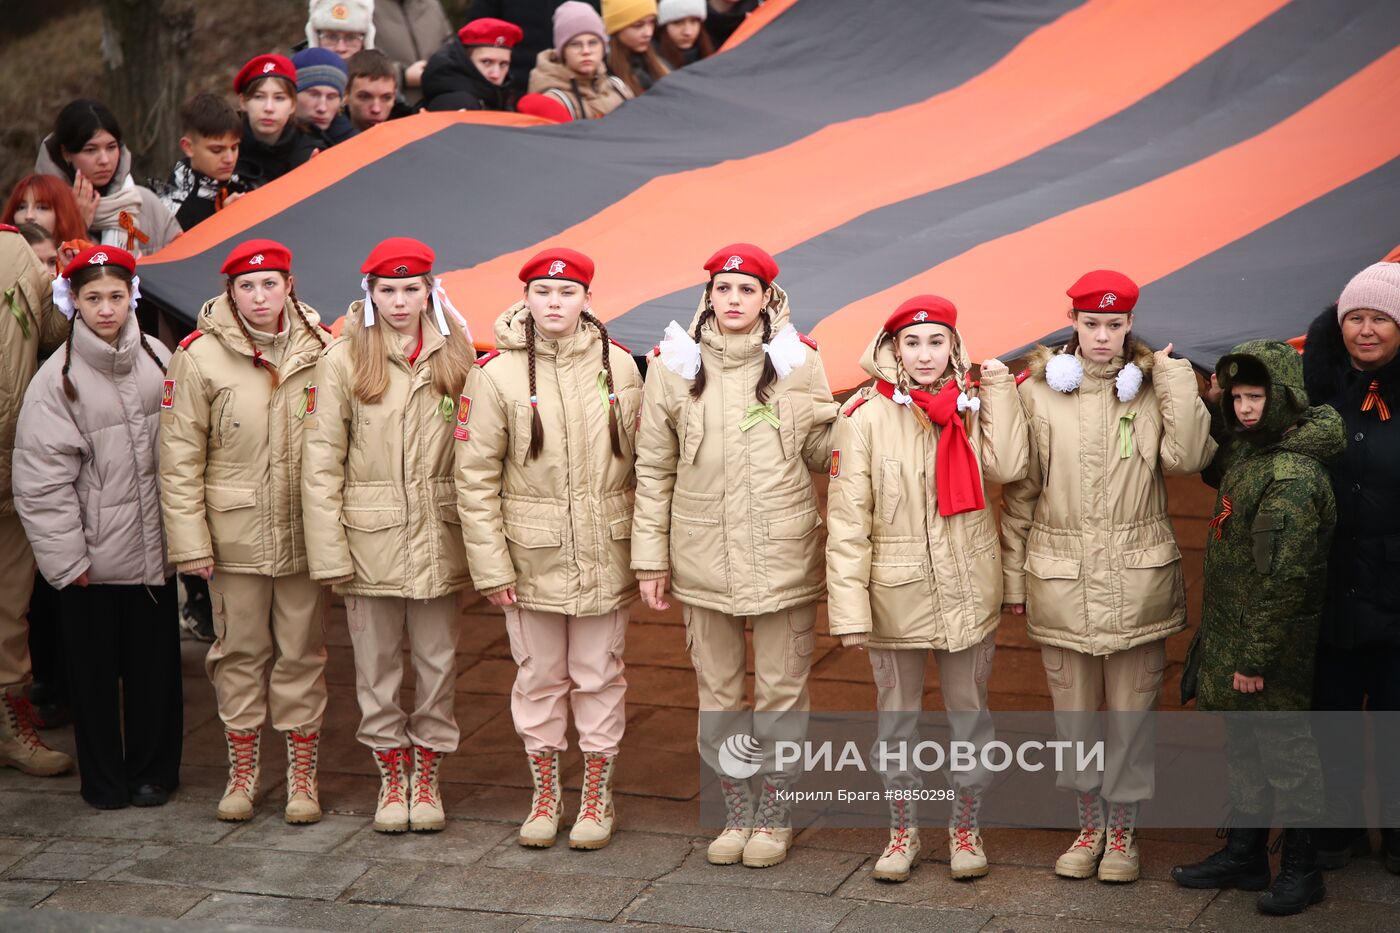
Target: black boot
[(1337, 847), (1390, 848), (1299, 883), (1243, 864)]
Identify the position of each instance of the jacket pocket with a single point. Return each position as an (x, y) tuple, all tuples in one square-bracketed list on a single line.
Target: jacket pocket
[(1265, 524), (802, 641), (221, 418), (794, 559), (891, 489), (520, 433), (235, 526), (1147, 436), (692, 430), (699, 555), (374, 519), (449, 526), (787, 427), (1052, 566), (1041, 426), (1152, 586)]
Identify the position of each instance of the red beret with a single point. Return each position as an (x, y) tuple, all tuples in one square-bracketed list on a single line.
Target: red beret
[(745, 258), (542, 105), (101, 256), (1102, 290), (278, 66), (922, 309), (398, 258), (257, 256), (559, 263), (492, 32)]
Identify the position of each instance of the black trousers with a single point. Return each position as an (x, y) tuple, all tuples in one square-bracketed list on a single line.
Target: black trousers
[(123, 646), (46, 644), (1364, 677)]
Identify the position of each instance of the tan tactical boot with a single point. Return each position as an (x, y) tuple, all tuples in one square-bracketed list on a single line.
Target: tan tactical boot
[(1082, 858), (542, 825), (20, 745), (425, 813), (772, 834), (594, 825), (1120, 863), (242, 787), (303, 789), (728, 847), (902, 853), (391, 812), (967, 858)]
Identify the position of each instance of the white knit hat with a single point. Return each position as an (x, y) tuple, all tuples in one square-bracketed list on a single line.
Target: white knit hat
[(1376, 287), (341, 16), (668, 11)]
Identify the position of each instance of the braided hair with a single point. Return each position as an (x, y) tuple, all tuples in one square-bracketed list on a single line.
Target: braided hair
[(80, 278), (766, 378), (312, 329), (612, 390), (243, 326), (536, 427)]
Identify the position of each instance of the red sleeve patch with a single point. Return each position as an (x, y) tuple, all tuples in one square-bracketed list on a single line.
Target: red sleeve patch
[(807, 340), (311, 399), (835, 462), (167, 394), (194, 335), (464, 409), (482, 361)]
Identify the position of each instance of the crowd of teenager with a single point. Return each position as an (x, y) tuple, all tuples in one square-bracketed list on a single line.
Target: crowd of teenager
[(269, 461)]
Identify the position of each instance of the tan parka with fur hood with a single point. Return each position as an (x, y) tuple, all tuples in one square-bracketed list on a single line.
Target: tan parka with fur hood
[(377, 494), (895, 568), (584, 99), (1088, 545), (732, 513), (231, 444), (558, 528)]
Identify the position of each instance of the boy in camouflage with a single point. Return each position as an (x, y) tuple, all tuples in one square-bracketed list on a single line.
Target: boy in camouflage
[(1265, 573)]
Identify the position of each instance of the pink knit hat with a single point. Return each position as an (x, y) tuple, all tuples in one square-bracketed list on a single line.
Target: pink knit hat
[(1376, 287), (573, 19)]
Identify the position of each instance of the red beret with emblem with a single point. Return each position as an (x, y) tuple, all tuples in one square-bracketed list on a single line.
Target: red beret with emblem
[(559, 263), (257, 256), (398, 258), (101, 256), (491, 32), (745, 258), (922, 309), (276, 66), (1103, 290)]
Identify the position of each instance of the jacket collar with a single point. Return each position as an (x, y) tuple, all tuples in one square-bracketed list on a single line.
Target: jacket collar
[(217, 318), (108, 358)]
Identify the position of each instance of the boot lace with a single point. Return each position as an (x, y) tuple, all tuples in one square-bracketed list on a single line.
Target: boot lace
[(736, 805), (391, 762), (423, 775), (593, 768), (303, 749), (547, 794), (1118, 832), (964, 831), (770, 810), (22, 718), (243, 749), (1089, 813), (899, 839)]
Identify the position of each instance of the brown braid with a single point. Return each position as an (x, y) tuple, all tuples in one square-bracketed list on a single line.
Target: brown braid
[(536, 428), (769, 374), (697, 387), (301, 313), (243, 326), (68, 387), (612, 392), (150, 351)]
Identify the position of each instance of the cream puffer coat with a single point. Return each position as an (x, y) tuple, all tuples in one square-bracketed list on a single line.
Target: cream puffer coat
[(732, 513), (1088, 545), (86, 474), (895, 568), (377, 494), (559, 527), (28, 324), (230, 442)]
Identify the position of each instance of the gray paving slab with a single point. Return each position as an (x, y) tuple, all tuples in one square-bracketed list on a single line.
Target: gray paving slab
[(462, 842), (136, 900), (248, 871), (900, 918), (72, 859), (817, 871), (477, 888), (269, 830), (25, 893), (1013, 889), (1234, 912), (630, 855), (31, 813), (14, 848), (300, 913), (729, 908)]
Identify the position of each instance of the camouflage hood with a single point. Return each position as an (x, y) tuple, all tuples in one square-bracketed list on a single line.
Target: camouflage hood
[(1279, 368)]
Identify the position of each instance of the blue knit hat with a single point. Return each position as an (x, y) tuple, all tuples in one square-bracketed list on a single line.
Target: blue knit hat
[(319, 67)]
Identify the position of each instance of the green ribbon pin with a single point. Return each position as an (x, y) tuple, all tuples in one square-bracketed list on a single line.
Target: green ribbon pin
[(603, 387), (448, 409), (1125, 435), (14, 309), (757, 413)]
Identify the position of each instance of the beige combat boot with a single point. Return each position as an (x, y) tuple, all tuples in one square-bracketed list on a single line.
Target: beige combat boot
[(902, 852), (542, 825), (772, 832), (728, 847), (594, 825), (391, 810), (966, 857), (1120, 863), (1081, 859), (303, 788), (242, 787), (20, 745), (425, 813)]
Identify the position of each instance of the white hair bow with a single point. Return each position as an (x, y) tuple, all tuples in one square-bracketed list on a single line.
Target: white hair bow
[(679, 353), (63, 295)]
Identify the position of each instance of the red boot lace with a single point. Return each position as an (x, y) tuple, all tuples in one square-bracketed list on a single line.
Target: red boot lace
[(391, 761), (547, 793), (769, 810), (736, 805), (1088, 818), (23, 715), (1118, 833), (963, 835), (244, 747), (423, 783), (303, 750), (593, 768), (900, 840)]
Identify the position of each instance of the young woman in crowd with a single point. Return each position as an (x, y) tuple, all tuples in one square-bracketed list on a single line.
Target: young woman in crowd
[(44, 244), (631, 25), (681, 38), (545, 493), (911, 456), (574, 73), (473, 72), (736, 415), (272, 145), (380, 515), (46, 201), (231, 433), (87, 490), (1090, 557), (85, 150)]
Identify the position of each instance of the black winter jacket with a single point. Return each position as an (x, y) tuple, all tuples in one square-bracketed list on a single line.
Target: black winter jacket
[(452, 82), (259, 163)]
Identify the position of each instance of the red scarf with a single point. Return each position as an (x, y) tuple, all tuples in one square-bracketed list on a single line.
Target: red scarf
[(958, 477)]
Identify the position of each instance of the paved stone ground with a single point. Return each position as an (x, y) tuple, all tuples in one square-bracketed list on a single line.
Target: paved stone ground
[(65, 866)]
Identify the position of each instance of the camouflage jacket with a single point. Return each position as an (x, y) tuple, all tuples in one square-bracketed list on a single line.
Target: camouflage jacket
[(1266, 553)]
